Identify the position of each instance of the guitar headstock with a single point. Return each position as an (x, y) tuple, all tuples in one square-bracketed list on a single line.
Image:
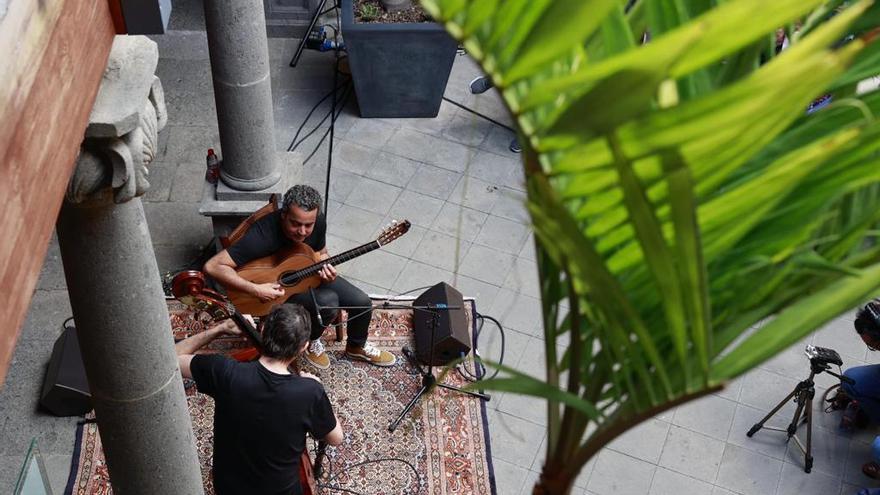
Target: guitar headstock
[(393, 231)]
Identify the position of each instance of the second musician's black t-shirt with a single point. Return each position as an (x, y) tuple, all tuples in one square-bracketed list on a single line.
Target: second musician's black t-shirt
[(260, 423), (266, 237)]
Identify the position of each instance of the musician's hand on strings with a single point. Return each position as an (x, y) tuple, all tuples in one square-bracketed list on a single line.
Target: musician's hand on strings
[(327, 273), (227, 327), (268, 291)]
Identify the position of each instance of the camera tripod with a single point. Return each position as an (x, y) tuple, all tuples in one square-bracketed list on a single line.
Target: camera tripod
[(803, 395)]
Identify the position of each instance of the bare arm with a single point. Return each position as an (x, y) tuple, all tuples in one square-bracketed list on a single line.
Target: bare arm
[(186, 348), (222, 268), (336, 436)]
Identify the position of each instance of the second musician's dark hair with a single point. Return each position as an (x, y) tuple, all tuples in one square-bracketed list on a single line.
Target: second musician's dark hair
[(285, 330), (868, 319)]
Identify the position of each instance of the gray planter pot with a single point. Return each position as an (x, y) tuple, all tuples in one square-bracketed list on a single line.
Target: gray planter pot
[(399, 70)]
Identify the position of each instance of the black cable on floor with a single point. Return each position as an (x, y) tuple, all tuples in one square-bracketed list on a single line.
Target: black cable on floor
[(478, 114)]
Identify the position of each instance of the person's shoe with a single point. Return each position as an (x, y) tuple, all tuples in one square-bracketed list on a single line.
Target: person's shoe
[(514, 146), (370, 354), (480, 85), (317, 356), (871, 470)]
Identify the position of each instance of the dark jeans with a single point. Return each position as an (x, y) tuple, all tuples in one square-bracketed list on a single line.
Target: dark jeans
[(339, 292), (866, 389)]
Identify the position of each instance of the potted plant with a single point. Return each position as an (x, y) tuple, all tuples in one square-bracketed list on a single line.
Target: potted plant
[(399, 69)]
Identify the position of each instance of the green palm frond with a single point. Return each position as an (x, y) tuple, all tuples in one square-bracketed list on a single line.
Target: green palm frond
[(679, 194)]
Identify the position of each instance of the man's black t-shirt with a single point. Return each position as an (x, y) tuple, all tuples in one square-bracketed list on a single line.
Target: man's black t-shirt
[(260, 422), (266, 237)]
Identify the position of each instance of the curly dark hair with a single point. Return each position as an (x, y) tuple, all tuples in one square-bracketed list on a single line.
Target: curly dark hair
[(285, 329), (868, 319), (306, 197)]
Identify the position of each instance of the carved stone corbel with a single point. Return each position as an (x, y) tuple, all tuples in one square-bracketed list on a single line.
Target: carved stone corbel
[(123, 132)]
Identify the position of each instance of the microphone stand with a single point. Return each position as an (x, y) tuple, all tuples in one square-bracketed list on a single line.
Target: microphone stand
[(429, 381)]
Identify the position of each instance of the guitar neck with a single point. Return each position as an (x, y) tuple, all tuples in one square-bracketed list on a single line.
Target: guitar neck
[(247, 328), (333, 260)]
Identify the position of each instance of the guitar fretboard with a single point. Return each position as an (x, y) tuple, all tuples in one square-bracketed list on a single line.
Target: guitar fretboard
[(292, 277)]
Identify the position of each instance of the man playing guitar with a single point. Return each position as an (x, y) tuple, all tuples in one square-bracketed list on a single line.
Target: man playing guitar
[(300, 221), (262, 410)]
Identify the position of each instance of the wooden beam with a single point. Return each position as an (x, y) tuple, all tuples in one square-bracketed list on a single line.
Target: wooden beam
[(43, 116)]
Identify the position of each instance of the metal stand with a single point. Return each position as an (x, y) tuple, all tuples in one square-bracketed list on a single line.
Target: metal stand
[(318, 13), (429, 381), (802, 394)]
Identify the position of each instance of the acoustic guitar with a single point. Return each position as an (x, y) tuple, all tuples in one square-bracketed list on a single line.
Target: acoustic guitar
[(296, 270)]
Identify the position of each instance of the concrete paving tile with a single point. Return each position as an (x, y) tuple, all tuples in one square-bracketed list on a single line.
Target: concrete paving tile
[(509, 478), (858, 454), (644, 442), (518, 311), (617, 473), (47, 311), (292, 107), (504, 235), (511, 204), (392, 169), (795, 481), (693, 454), (172, 225), (467, 128), (370, 132), (418, 208), (434, 125), (416, 275), (489, 346), (353, 157), (434, 181), (791, 363), (498, 142), (188, 144), (829, 451), (441, 250), (161, 176), (523, 277), (354, 223), (190, 108), (525, 407), (483, 292), (838, 334), (373, 196), (668, 482), (185, 77), (528, 484), (430, 149), (717, 490), (767, 442), (764, 390), (189, 182), (493, 168), (731, 390), (52, 271), (513, 439), (378, 268), (850, 489), (336, 245), (474, 193), (528, 249), (744, 472), (487, 264), (342, 183), (182, 45), (458, 221), (710, 415)]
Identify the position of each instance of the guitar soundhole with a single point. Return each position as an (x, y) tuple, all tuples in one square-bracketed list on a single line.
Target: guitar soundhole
[(287, 279)]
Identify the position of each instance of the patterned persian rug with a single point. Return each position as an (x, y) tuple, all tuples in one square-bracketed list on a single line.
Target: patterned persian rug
[(440, 448)]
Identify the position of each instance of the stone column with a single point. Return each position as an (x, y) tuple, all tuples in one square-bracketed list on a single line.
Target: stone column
[(243, 92), (114, 286)]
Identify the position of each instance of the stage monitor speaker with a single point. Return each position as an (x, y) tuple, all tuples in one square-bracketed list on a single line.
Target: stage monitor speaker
[(451, 336), (65, 389)]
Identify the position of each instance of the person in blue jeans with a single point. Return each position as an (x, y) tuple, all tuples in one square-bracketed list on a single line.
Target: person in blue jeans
[(864, 391)]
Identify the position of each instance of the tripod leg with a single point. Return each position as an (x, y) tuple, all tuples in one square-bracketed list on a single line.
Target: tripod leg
[(795, 420), (760, 424), (808, 454), (473, 394), (412, 403)]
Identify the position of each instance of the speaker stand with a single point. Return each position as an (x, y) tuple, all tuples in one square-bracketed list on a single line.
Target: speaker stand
[(429, 381)]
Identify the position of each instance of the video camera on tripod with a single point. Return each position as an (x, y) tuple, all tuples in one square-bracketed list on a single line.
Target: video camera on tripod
[(821, 359)]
